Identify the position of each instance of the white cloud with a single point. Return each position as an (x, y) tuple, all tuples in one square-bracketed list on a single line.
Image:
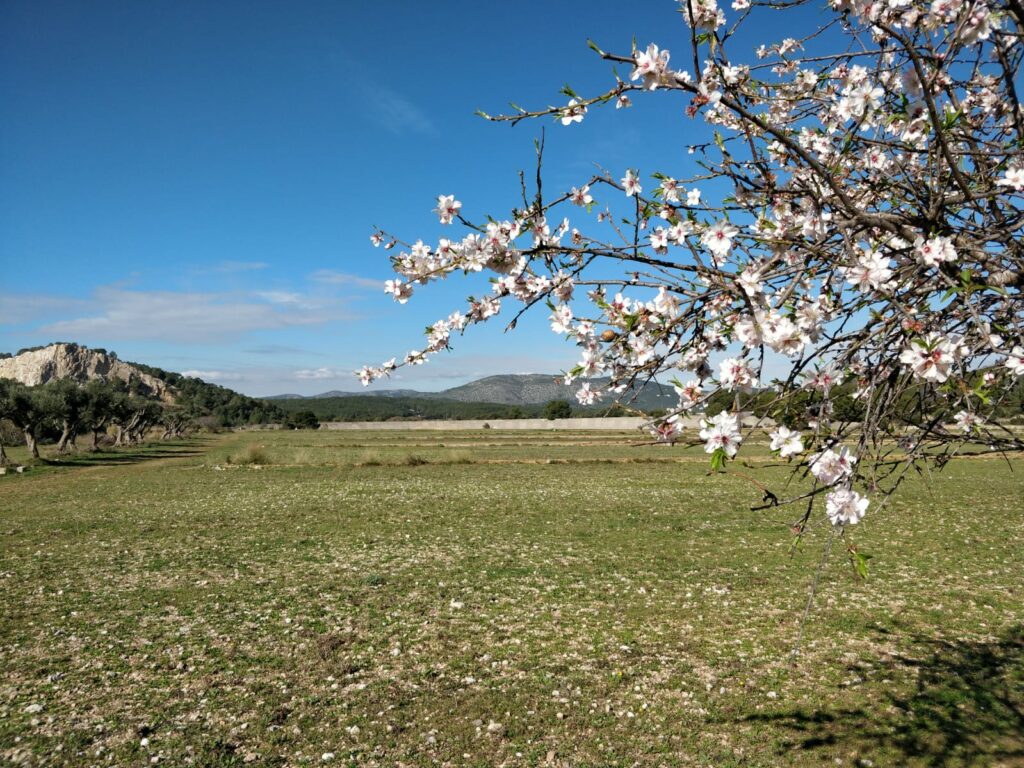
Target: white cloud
[(214, 375), (332, 277), (16, 310), (116, 314), (310, 374), (236, 266), (280, 297)]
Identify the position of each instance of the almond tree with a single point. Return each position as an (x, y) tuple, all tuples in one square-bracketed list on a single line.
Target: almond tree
[(869, 237)]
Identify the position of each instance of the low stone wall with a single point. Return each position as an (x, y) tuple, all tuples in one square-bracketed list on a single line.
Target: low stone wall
[(624, 423)]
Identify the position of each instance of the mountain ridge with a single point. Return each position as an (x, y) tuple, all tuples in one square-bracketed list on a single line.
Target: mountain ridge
[(516, 389)]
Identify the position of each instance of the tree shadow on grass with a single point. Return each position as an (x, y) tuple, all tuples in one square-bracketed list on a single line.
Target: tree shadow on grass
[(186, 448), (967, 708)]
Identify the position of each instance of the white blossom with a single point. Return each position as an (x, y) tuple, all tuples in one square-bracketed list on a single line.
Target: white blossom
[(845, 507)]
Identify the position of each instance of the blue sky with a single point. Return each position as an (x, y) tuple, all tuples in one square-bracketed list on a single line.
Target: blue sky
[(193, 184)]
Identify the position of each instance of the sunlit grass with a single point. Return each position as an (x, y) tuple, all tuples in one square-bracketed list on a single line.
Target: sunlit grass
[(453, 598)]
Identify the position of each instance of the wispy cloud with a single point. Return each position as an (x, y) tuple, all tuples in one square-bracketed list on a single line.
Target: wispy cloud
[(229, 267), (319, 374), (282, 297), (331, 277), (395, 113), (19, 309), (279, 349), (114, 314), (214, 375)]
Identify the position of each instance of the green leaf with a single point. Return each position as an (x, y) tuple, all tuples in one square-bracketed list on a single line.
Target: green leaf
[(718, 460), (593, 46), (860, 563)]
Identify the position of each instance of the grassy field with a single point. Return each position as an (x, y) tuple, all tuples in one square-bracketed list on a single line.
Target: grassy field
[(519, 599)]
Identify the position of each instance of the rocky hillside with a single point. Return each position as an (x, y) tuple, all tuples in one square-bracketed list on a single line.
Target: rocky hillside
[(71, 361), (191, 397)]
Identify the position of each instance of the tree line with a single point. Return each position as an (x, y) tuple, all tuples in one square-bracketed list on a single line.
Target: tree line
[(64, 410)]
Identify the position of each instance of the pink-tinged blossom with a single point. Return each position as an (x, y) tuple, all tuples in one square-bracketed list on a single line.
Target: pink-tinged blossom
[(581, 196), (967, 422), (750, 281), (480, 310), (871, 272), (829, 467), (693, 197), (929, 357), (721, 431), (666, 303), (679, 231), (845, 507), (1013, 178), (934, 250), (561, 319), (718, 239), (1015, 361), (659, 240), (631, 184), (748, 330), (689, 393), (784, 336), (447, 208), (734, 373), (787, 442), (586, 395), (703, 15), (573, 112), (623, 101), (669, 190), (823, 379), (376, 238), (667, 431), (651, 66), (399, 290)]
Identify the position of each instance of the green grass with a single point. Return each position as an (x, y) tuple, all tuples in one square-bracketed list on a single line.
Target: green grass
[(453, 598)]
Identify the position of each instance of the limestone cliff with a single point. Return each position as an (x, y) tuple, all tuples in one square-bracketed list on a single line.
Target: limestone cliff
[(71, 361)]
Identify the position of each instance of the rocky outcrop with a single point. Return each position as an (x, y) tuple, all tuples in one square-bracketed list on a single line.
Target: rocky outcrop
[(71, 361)]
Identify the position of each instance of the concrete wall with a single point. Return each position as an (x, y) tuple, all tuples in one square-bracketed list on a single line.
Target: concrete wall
[(620, 423)]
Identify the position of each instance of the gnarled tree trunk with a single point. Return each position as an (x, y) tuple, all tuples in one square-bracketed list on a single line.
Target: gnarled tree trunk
[(66, 435), (30, 441)]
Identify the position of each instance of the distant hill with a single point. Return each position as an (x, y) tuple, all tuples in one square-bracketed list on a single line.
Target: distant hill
[(376, 408), (35, 366), (539, 388), (521, 390)]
